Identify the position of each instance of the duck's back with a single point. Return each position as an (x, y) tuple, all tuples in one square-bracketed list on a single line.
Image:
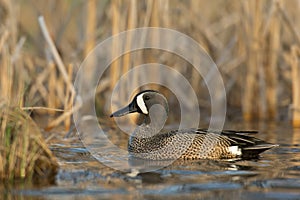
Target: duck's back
[(197, 144)]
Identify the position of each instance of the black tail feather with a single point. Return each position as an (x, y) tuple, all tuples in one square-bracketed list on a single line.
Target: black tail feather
[(254, 151)]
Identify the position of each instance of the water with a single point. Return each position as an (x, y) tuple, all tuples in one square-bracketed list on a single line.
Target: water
[(276, 175)]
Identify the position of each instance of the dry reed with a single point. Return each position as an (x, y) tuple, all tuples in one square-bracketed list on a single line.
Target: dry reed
[(115, 65), (272, 48), (295, 64)]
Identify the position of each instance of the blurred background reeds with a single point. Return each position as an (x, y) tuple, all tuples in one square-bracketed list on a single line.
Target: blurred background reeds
[(255, 44)]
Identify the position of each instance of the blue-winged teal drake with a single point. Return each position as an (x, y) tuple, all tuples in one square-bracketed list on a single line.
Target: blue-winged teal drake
[(149, 142)]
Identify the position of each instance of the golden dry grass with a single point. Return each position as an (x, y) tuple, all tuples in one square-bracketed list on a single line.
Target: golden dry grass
[(249, 40)]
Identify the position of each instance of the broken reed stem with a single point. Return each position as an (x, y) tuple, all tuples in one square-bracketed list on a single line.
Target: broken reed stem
[(43, 108), (55, 53), (295, 64)]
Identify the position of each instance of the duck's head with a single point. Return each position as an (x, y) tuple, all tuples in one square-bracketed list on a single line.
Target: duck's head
[(142, 103)]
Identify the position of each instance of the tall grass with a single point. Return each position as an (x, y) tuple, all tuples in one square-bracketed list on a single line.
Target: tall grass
[(23, 151)]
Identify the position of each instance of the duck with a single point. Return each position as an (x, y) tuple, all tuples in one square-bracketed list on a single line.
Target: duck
[(148, 141)]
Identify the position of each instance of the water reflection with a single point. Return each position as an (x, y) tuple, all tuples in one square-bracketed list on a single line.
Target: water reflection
[(275, 175)]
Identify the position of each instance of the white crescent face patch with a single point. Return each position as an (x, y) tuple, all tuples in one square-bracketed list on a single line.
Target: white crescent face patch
[(141, 104)]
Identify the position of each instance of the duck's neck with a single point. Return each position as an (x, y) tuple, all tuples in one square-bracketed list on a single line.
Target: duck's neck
[(153, 123)]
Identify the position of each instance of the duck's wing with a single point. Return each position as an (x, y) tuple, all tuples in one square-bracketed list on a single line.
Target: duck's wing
[(250, 146), (228, 131)]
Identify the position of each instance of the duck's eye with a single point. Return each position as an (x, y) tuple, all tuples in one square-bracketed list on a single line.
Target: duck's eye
[(146, 97)]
